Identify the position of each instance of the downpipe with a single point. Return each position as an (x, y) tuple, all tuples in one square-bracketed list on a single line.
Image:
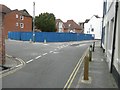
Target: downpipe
[(114, 36)]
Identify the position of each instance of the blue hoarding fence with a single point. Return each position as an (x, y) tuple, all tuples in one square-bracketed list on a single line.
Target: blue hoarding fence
[(49, 36)]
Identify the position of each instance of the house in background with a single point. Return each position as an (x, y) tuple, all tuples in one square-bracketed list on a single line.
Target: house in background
[(93, 26), (59, 25), (82, 25), (70, 26), (111, 36), (17, 20)]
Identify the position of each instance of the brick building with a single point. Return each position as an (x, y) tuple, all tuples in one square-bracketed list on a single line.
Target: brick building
[(17, 20), (73, 27), (69, 26)]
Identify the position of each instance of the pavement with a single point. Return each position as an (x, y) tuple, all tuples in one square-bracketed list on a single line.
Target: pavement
[(11, 62), (99, 75)]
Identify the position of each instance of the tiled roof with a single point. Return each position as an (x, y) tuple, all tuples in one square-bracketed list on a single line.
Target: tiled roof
[(70, 24), (22, 12), (58, 20), (4, 9), (25, 13)]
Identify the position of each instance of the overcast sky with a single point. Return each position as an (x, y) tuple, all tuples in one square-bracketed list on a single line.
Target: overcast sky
[(78, 10)]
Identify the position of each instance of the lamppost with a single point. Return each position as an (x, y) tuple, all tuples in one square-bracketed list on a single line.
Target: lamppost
[(33, 21)]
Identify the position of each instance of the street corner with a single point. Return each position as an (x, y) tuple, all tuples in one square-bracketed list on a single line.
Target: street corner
[(11, 63)]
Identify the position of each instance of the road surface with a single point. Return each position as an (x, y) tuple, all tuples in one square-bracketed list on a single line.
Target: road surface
[(46, 65)]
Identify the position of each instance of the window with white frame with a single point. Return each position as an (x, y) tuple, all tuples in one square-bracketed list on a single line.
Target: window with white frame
[(16, 15), (16, 23), (22, 17), (21, 25)]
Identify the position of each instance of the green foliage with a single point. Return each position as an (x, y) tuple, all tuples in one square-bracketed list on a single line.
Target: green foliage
[(45, 22)]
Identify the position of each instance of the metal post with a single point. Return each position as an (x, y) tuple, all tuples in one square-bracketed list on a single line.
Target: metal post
[(86, 67), (33, 21), (90, 53), (93, 46)]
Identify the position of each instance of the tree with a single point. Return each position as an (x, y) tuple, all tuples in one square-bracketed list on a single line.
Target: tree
[(45, 22)]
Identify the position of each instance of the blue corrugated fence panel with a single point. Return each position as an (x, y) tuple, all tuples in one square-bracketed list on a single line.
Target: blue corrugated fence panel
[(49, 36), (26, 36)]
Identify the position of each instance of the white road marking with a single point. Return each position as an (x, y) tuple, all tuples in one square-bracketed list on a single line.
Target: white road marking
[(55, 52), (38, 57), (66, 45), (102, 60), (19, 65), (29, 61), (61, 46), (55, 49), (45, 44), (45, 54), (50, 51)]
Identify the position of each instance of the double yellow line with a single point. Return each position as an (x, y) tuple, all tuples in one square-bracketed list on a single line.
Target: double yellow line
[(72, 76)]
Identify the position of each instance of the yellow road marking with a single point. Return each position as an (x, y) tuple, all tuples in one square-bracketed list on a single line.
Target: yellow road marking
[(72, 76)]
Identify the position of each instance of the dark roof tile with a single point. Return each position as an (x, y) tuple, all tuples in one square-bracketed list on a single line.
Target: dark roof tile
[(4, 9), (71, 25)]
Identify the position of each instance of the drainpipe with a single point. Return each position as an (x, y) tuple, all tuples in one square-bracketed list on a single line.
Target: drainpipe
[(102, 26), (101, 34), (114, 36)]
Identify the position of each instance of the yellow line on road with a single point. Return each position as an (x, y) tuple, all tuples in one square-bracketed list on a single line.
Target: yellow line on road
[(73, 74)]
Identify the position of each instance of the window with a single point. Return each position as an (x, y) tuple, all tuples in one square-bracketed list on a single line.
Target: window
[(21, 25), (92, 29), (22, 17), (69, 25), (17, 24), (16, 15)]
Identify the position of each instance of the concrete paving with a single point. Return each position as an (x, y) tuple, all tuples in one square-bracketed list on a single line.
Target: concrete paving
[(99, 75), (10, 62)]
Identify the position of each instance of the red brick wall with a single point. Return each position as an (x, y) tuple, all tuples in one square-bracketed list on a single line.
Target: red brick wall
[(10, 21)]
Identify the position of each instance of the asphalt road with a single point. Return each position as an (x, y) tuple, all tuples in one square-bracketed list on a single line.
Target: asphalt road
[(47, 65)]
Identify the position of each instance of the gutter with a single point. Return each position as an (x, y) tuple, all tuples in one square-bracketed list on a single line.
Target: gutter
[(114, 35)]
